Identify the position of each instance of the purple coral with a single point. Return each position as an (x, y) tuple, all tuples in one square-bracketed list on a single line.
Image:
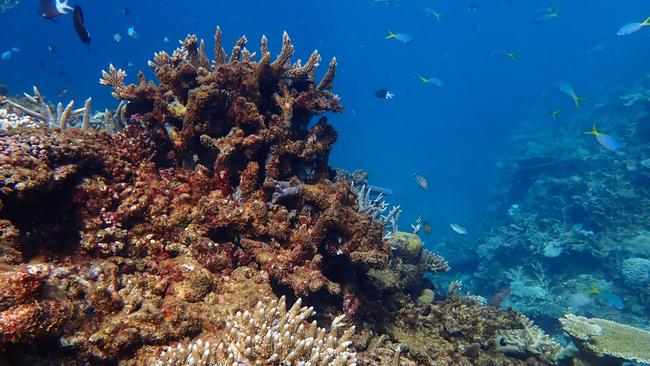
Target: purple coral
[(283, 190)]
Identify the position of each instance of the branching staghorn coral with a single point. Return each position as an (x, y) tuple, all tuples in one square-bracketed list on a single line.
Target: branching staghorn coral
[(269, 335), (374, 208), (432, 262), (42, 111), (235, 106), (529, 340)]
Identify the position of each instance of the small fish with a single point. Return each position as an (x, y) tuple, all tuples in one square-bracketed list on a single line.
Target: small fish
[(554, 114), (472, 7), (384, 94), (62, 92), (501, 53), (126, 11), (50, 9), (117, 37), (51, 48), (596, 48), (547, 14), (402, 37), (426, 227), (79, 26), (15, 49), (499, 297), (132, 33), (165, 40), (612, 300), (630, 28), (6, 56), (593, 290), (458, 229), (422, 182), (129, 64), (3, 90), (568, 90), (433, 81), (431, 12), (606, 141), (393, 3)]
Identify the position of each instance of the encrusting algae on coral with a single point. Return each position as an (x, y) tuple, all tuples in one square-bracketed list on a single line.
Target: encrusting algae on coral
[(206, 193)]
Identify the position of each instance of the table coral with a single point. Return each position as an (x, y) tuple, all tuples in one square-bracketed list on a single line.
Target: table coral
[(606, 342)]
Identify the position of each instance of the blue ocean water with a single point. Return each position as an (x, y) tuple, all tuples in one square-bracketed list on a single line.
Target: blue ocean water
[(453, 136)]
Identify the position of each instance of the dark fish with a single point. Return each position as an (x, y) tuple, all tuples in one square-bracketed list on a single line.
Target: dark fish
[(3, 90), (499, 297), (47, 9), (383, 94), (61, 73), (126, 11), (79, 26), (51, 48)]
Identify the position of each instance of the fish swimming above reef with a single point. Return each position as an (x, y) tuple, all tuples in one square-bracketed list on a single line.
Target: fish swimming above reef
[(611, 300), (117, 37), (132, 33), (458, 229), (431, 12), (501, 53), (568, 90), (606, 141), (432, 81), (79, 25), (547, 14), (393, 3), (384, 94), (422, 182), (402, 37), (4, 90), (49, 9), (472, 7), (7, 4), (554, 113), (634, 27)]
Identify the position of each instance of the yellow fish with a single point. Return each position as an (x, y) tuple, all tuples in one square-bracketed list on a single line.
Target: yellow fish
[(594, 290), (433, 81), (555, 113), (421, 181), (458, 229)]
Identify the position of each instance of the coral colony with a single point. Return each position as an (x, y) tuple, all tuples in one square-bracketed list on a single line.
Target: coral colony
[(190, 225)]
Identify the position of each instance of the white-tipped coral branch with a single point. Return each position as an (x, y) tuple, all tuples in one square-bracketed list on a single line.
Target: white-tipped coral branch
[(42, 111), (270, 335), (113, 78)]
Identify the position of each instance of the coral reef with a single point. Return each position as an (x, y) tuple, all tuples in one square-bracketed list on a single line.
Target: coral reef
[(567, 227), (605, 342), (204, 194), (135, 236)]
